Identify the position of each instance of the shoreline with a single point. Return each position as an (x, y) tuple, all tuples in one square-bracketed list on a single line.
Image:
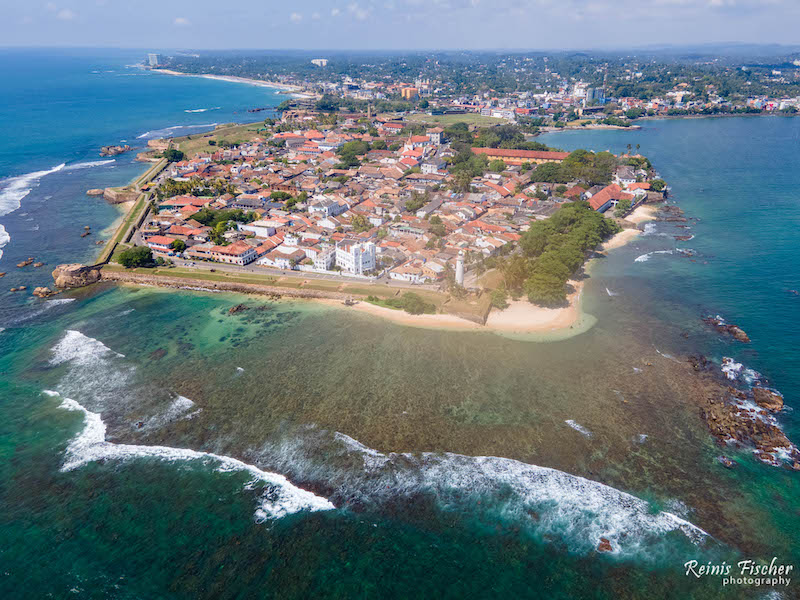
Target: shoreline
[(295, 90), (521, 319)]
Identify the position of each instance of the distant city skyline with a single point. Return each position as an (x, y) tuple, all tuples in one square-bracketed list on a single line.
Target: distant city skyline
[(398, 24)]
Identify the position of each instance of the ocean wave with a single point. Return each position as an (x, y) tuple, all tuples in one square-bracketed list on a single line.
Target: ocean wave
[(93, 370), (14, 189), (646, 257), (650, 230), (579, 428), (280, 499), (41, 308), (4, 239), (610, 293), (167, 131), (89, 164), (736, 371), (180, 408), (555, 504), (201, 110)]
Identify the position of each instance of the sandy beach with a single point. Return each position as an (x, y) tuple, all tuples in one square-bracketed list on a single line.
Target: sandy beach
[(645, 212), (296, 90), (521, 317)]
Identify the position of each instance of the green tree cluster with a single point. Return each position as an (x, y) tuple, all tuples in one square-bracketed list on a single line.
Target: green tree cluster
[(138, 256), (553, 250)]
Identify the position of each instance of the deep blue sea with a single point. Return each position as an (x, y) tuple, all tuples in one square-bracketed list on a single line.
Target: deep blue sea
[(153, 445)]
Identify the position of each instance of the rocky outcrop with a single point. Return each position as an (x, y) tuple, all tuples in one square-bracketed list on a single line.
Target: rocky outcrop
[(768, 399), (237, 309), (75, 275), (42, 292), (739, 418), (95, 192), (734, 331), (604, 545), (113, 150)]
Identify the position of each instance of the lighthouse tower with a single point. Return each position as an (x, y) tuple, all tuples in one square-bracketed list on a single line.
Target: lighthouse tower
[(460, 268)]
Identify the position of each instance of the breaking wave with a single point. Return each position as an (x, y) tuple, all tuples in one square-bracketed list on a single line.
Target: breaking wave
[(90, 445), (556, 505), (169, 131), (201, 110), (646, 257), (579, 428), (4, 239), (89, 164), (14, 189)]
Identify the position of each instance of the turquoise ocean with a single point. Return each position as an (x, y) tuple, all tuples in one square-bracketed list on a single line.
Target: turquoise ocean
[(152, 445)]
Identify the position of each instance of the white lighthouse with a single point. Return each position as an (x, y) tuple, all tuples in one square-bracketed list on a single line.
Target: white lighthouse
[(460, 268)]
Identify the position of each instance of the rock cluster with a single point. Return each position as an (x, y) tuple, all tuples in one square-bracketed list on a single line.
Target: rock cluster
[(734, 331), (113, 150), (604, 545), (75, 275), (95, 192), (745, 419), (42, 292)]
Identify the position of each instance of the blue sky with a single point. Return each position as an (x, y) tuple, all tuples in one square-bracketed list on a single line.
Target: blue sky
[(391, 24)]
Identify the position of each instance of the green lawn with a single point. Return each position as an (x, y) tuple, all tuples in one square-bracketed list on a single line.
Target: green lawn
[(191, 145), (447, 120)]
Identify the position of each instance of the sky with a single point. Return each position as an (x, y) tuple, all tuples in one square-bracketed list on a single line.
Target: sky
[(395, 24)]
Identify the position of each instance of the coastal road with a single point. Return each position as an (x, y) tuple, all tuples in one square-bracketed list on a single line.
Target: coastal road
[(259, 270)]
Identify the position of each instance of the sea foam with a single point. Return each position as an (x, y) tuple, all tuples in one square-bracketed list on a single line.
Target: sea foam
[(90, 445), (646, 257), (579, 428), (14, 189), (554, 504)]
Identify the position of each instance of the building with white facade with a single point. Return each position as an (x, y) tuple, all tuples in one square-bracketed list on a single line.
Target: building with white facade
[(355, 257)]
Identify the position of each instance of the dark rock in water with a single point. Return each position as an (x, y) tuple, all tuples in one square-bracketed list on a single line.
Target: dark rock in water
[(683, 238), (114, 150), (794, 292), (726, 462), (604, 545), (733, 330), (237, 309), (731, 422), (700, 363), (158, 354), (769, 399)]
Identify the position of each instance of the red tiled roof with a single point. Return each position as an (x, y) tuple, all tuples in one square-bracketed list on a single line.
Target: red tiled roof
[(532, 154)]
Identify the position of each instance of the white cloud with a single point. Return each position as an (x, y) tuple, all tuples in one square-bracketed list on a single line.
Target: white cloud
[(65, 14), (359, 12), (316, 16), (181, 21), (51, 7), (335, 12), (295, 17)]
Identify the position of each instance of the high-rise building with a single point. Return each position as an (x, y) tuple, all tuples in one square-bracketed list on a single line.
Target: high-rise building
[(320, 62), (153, 60)]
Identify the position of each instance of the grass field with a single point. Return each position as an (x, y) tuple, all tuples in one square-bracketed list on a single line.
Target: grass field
[(190, 145), (447, 120)]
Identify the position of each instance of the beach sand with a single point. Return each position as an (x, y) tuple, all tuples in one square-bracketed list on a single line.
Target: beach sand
[(521, 317), (258, 82), (645, 212)]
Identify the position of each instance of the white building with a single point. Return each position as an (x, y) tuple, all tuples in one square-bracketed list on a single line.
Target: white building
[(153, 60), (263, 229), (355, 257), (325, 258), (320, 62)]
